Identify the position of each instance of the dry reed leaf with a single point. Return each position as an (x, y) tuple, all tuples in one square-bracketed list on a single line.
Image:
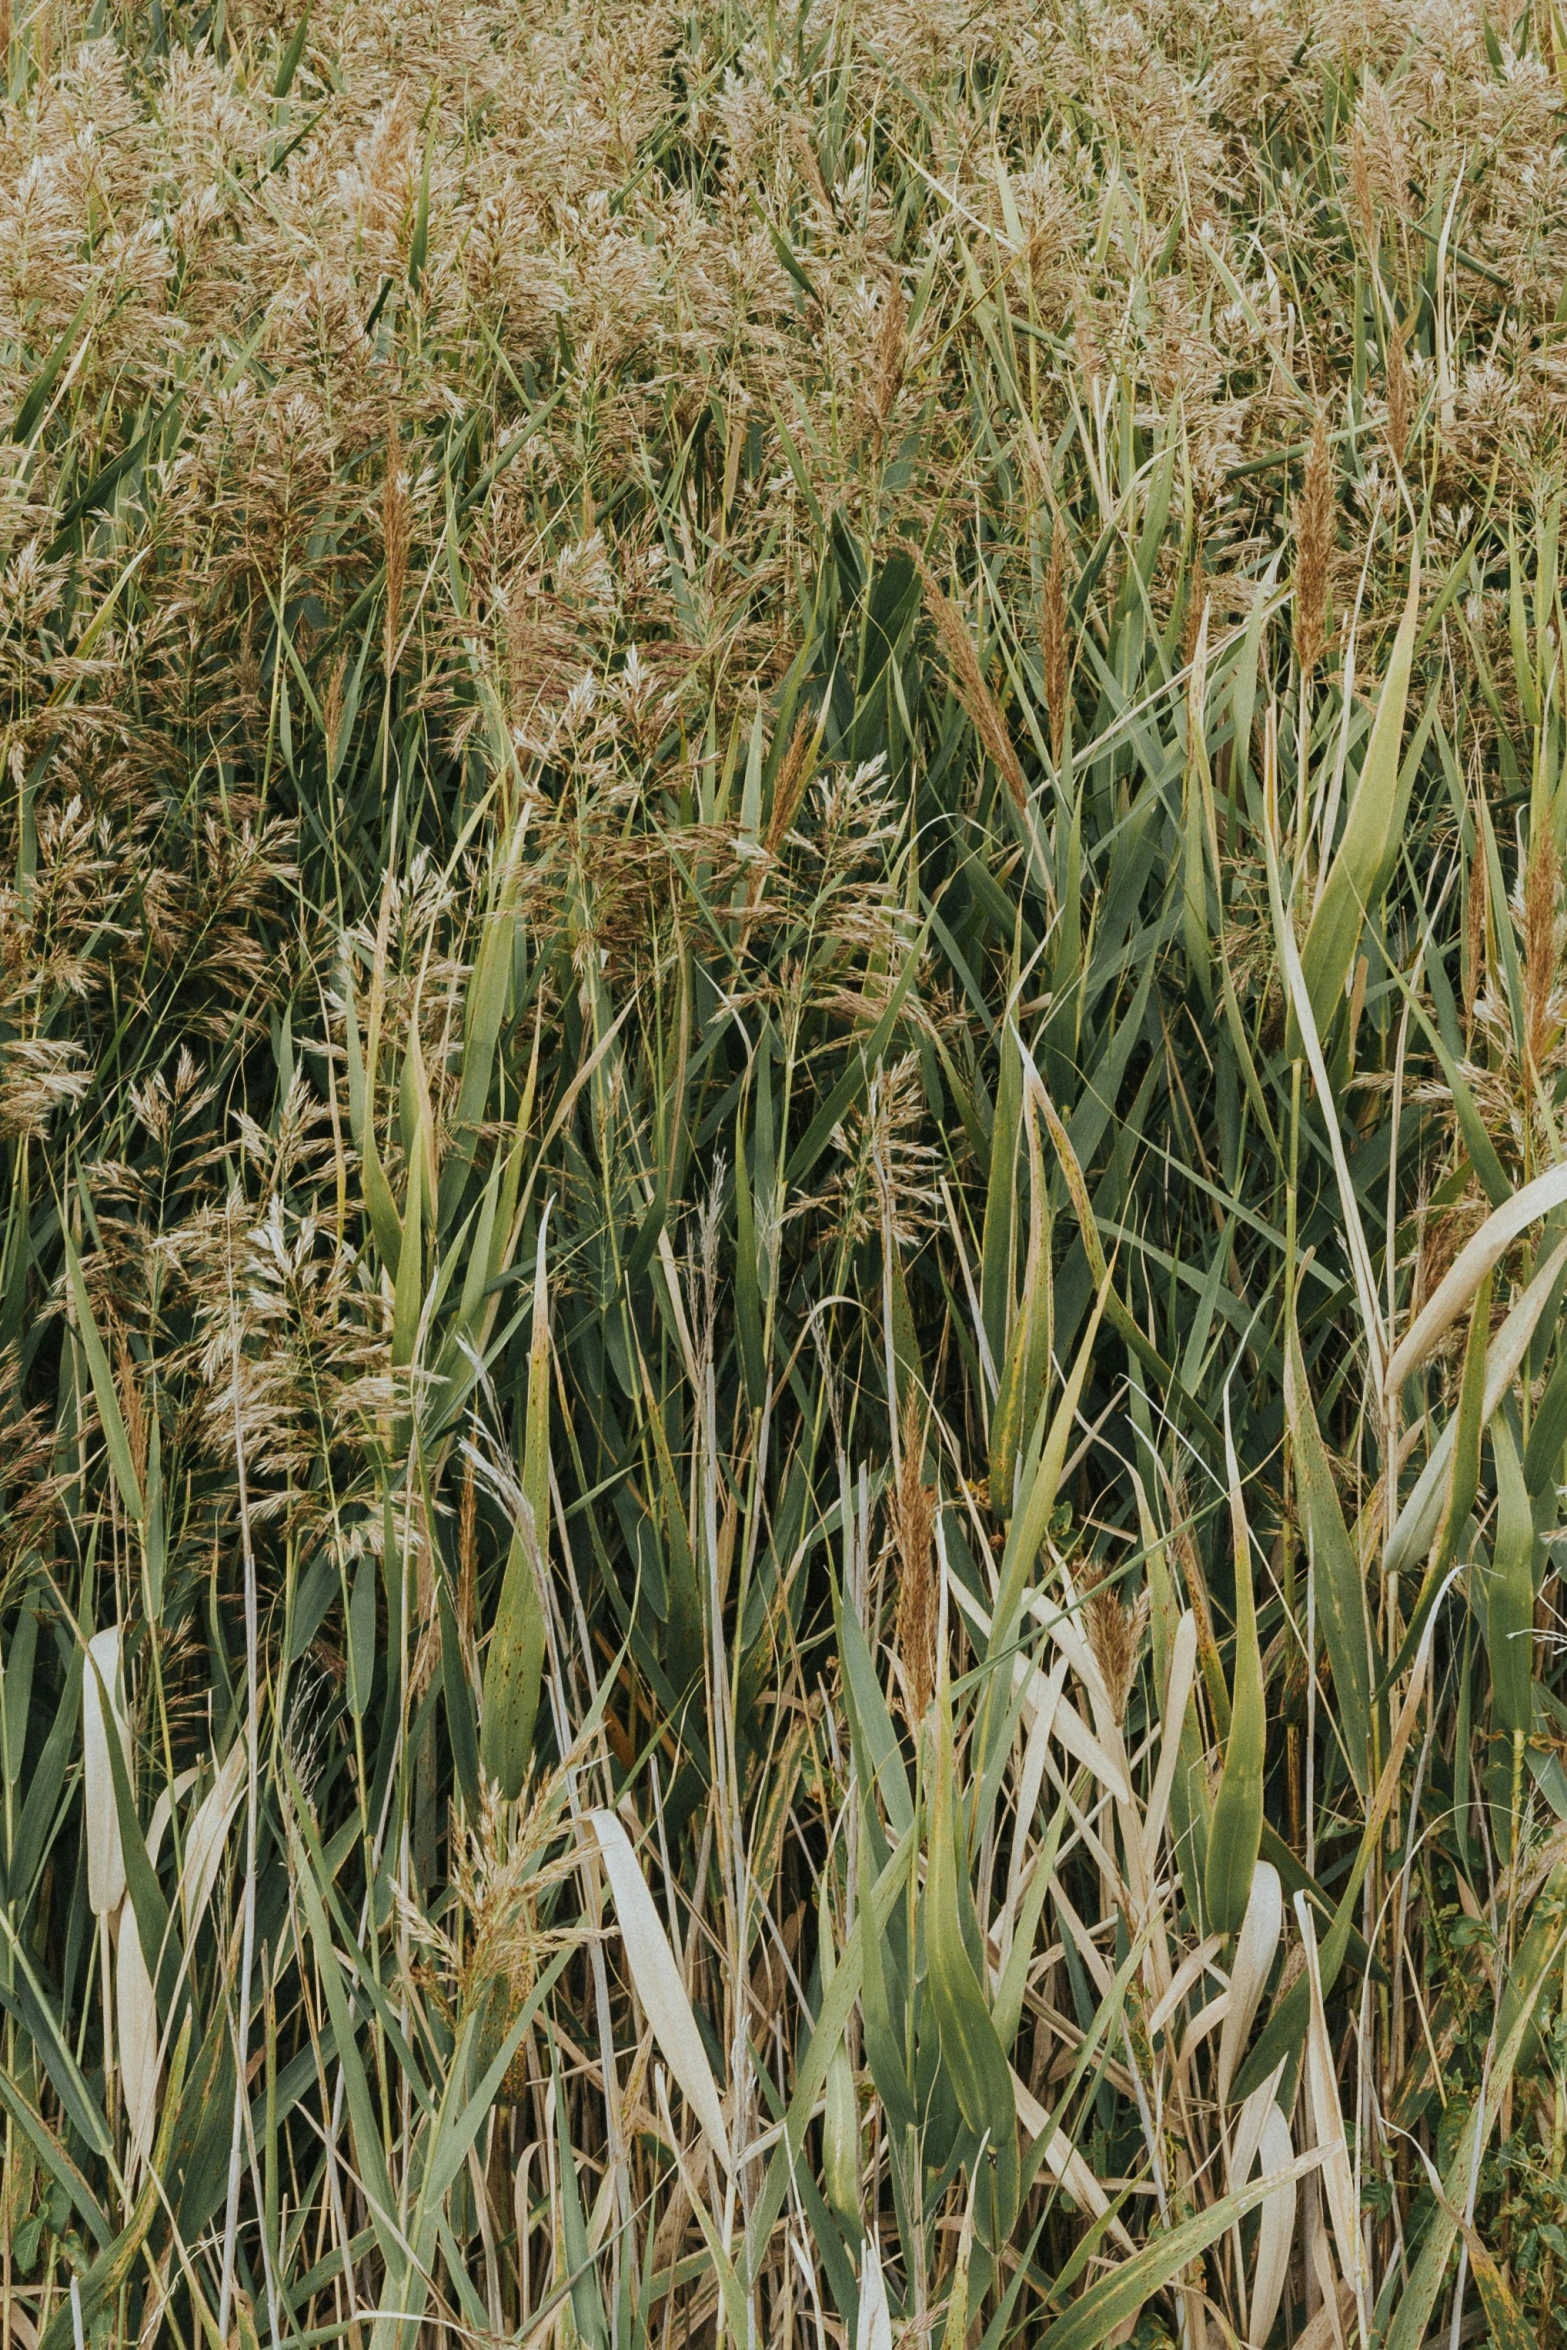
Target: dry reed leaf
[(1475, 1259), (163, 1811), (208, 1834), (1066, 2165), (1261, 2137), (873, 2330), (1066, 1723), (1329, 2323), (1275, 2233), (1416, 1524), (658, 1982), (1327, 2118), (136, 2025), (1255, 1945), (23, 2330), (1202, 2027), (1245, 2136), (105, 1853), (1542, 892), (1193, 1967)]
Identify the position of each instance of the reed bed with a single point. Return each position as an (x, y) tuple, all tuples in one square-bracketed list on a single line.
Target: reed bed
[(783, 1047)]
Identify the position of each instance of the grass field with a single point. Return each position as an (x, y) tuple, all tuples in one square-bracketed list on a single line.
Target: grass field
[(783, 1057)]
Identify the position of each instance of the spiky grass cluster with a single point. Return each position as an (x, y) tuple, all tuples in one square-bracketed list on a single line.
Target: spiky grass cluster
[(782, 1044)]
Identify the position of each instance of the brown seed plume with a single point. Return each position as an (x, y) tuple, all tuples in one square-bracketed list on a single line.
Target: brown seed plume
[(810, 167), (333, 713), (1115, 1634), (1398, 401), (1054, 646), (1313, 550), (1542, 890), (793, 776), (132, 1409), (968, 683), (1475, 901), (1385, 150), (911, 1509), (396, 531), (794, 773), (1362, 201), (1195, 1580)]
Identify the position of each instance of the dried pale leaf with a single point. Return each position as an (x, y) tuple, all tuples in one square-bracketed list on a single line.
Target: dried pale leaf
[(1067, 1724), (1205, 2022), (1416, 1525), (1245, 2135), (1331, 2322), (208, 1835), (874, 2330), (1275, 2232), (1327, 2119), (1192, 1967), (136, 2022), (1067, 1633), (1469, 1268), (1254, 1948), (163, 1812), (105, 1855), (1065, 1721), (1065, 2165), (658, 1981)]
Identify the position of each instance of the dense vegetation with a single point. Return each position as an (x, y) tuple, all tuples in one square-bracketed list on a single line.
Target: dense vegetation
[(783, 1049)]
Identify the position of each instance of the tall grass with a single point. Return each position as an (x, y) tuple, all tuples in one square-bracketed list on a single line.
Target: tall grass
[(782, 1057)]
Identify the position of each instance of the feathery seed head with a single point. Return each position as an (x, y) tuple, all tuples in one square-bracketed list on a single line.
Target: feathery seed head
[(1115, 1633)]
